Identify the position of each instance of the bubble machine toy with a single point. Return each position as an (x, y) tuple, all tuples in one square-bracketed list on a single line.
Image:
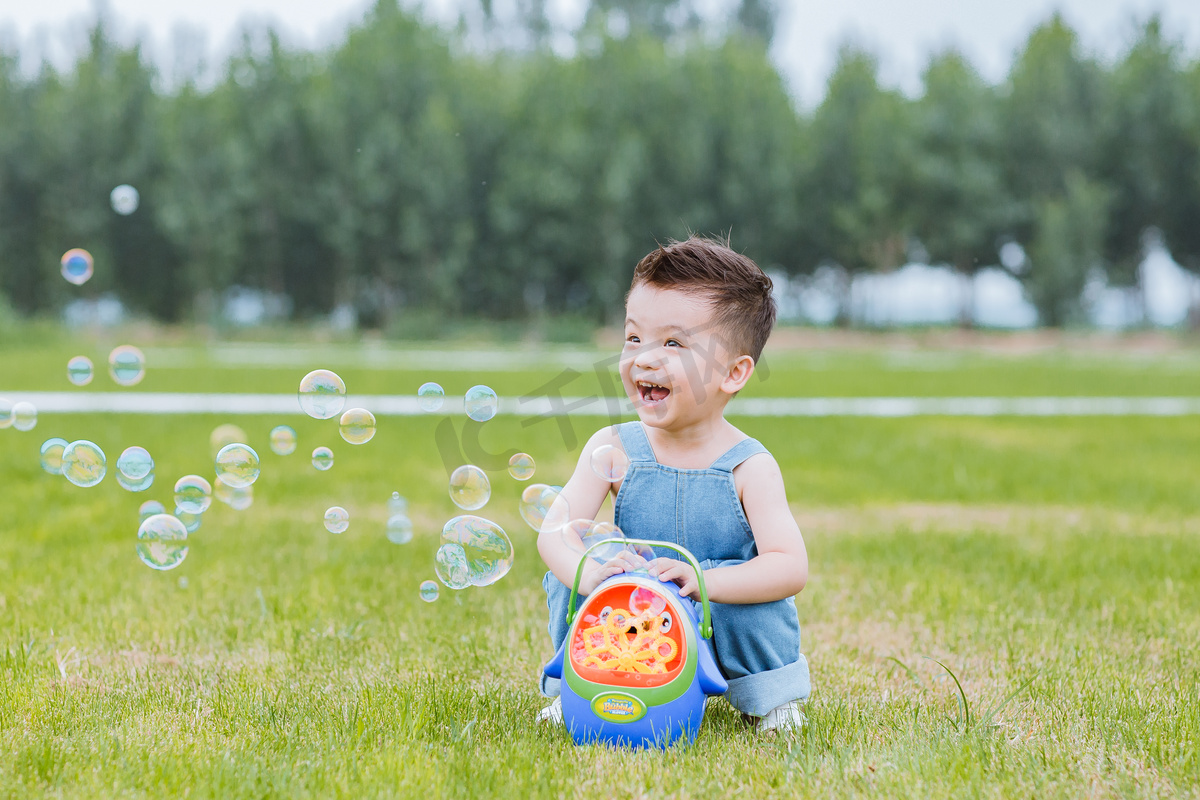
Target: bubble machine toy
[(637, 662)]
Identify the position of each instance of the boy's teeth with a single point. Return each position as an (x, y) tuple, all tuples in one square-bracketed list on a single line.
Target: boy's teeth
[(652, 391)]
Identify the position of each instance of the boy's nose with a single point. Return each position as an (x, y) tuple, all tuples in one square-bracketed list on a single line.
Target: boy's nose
[(648, 357)]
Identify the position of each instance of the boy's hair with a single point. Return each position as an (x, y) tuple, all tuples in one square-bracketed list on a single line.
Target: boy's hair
[(740, 292)]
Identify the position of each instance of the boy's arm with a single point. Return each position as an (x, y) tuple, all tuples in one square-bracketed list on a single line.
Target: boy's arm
[(781, 567), (581, 498)]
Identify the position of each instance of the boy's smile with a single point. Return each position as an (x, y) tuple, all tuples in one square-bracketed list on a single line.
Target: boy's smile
[(652, 393)]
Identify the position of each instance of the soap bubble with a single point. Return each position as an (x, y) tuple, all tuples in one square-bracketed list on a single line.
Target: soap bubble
[(124, 199), (135, 463), (469, 487), (322, 458), (223, 435), (322, 394), (135, 469), (24, 416), (397, 505), (610, 463), (135, 486), (126, 365), (77, 266), (337, 519), (399, 529), (193, 494), (237, 498), (237, 465), (6, 408), (429, 591), (521, 466), (283, 440), (542, 508), (644, 600), (430, 397), (149, 509), (357, 426), (481, 403), (450, 565), (162, 542), (190, 521), (487, 547), (80, 370), (83, 463), (581, 534), (52, 453)]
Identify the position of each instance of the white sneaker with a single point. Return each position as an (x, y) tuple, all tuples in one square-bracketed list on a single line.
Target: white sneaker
[(787, 718), (552, 713)]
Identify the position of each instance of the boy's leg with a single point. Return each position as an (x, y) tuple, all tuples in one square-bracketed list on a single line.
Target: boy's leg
[(557, 598), (758, 649)]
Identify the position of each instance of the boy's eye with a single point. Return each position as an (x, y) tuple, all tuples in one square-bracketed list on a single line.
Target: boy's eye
[(632, 339), (673, 343)]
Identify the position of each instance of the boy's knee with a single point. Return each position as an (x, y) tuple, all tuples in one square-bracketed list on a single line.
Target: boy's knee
[(757, 637)]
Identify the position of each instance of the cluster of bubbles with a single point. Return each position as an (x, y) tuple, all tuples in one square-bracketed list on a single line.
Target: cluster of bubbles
[(473, 551)]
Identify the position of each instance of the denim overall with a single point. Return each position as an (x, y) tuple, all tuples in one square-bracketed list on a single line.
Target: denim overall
[(757, 645)]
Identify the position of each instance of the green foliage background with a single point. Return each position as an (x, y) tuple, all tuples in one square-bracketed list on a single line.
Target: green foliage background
[(415, 175)]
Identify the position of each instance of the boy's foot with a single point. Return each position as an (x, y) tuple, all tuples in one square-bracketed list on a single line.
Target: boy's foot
[(787, 718), (552, 713)]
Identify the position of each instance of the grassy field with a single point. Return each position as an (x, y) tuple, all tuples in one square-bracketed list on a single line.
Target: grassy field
[(1059, 555)]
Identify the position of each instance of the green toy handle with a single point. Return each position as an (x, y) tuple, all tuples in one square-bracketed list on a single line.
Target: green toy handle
[(706, 620)]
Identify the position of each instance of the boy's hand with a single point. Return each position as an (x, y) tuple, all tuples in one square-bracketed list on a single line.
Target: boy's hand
[(679, 573), (595, 573)]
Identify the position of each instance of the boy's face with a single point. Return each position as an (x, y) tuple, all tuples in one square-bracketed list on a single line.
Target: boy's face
[(675, 366)]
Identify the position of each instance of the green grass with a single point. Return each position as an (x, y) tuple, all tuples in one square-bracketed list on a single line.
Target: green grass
[(282, 661), (180, 364)]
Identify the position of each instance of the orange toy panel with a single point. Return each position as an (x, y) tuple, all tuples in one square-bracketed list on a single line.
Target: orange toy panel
[(629, 635)]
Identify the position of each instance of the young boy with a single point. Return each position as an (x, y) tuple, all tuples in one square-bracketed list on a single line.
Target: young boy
[(698, 315)]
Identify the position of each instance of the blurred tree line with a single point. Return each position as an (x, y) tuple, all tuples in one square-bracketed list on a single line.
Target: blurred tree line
[(415, 176)]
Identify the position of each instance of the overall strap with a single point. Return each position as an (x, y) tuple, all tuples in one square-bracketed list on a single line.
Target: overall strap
[(633, 439), (737, 454)]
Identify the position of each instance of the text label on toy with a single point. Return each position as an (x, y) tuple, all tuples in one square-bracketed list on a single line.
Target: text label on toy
[(618, 707)]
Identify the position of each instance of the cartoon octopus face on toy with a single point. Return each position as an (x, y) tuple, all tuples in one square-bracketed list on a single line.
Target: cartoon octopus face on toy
[(633, 634)]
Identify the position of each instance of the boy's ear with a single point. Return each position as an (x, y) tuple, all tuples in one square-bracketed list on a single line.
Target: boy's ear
[(739, 374)]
